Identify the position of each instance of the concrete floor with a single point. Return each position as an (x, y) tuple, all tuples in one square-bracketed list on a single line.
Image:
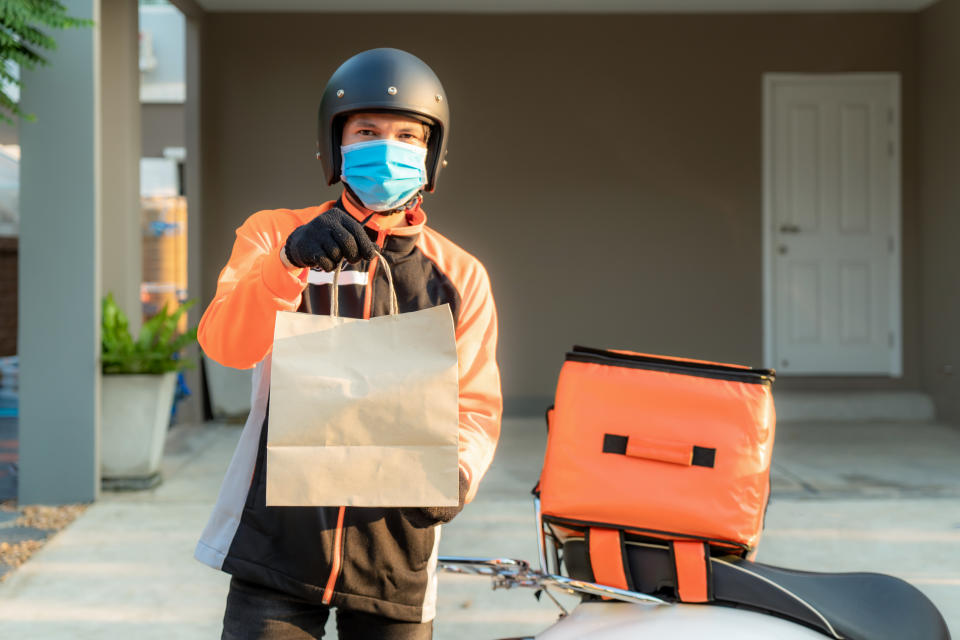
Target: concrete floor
[(878, 497)]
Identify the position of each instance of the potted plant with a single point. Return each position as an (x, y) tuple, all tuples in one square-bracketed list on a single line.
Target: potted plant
[(138, 387)]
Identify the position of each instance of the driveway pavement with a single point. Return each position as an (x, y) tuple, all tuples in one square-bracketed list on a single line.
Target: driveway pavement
[(878, 497)]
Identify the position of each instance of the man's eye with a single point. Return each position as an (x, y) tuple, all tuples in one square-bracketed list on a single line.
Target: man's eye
[(366, 132)]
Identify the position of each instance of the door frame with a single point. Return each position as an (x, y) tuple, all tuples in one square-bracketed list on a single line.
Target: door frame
[(895, 311)]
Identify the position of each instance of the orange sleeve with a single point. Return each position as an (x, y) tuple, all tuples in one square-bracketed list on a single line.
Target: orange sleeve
[(481, 404), (236, 329)]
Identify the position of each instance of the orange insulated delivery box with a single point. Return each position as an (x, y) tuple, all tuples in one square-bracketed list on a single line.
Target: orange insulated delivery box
[(660, 448)]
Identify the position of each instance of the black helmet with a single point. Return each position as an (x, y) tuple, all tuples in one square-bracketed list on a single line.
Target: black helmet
[(383, 80)]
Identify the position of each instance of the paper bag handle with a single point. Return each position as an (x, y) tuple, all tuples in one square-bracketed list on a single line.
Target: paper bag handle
[(335, 288)]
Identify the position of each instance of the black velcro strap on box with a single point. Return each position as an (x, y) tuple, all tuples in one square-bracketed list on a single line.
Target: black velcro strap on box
[(614, 444), (703, 457)]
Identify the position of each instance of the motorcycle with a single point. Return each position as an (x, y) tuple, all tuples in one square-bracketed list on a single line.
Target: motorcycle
[(749, 601)]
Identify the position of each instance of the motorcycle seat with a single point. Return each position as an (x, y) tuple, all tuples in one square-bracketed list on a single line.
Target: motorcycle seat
[(849, 606)]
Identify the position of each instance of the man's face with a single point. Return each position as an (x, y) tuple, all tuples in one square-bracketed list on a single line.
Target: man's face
[(363, 127)]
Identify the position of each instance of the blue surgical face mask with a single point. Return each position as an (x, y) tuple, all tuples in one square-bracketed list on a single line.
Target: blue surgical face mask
[(383, 173)]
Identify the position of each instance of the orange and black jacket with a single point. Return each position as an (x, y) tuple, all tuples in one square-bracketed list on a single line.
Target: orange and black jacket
[(365, 559)]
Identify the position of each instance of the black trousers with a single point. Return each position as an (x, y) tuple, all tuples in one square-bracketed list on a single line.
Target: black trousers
[(255, 612)]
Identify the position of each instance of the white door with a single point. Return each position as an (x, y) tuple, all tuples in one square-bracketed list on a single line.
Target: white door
[(832, 224)]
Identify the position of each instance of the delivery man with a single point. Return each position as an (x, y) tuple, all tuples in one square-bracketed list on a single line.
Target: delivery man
[(383, 127)]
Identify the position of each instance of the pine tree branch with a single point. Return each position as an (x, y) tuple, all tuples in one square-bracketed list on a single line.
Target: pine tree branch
[(23, 41)]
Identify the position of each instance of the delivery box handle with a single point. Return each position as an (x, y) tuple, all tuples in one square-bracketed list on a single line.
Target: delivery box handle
[(335, 288), (686, 455)]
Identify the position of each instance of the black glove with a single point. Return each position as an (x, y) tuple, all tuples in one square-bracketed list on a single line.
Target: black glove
[(324, 241), (422, 517)]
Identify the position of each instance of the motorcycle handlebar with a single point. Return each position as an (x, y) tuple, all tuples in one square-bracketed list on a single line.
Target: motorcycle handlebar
[(508, 573)]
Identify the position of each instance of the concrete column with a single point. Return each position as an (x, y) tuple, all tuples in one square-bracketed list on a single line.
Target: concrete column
[(59, 270), (120, 141)]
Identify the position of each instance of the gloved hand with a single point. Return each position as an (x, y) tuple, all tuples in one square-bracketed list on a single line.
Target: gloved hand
[(324, 241), (422, 517)]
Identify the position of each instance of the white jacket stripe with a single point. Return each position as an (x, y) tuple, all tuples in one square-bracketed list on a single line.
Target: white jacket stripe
[(218, 535)]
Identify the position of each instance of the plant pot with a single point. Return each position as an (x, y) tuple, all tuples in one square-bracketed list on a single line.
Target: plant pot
[(135, 415), (229, 390)]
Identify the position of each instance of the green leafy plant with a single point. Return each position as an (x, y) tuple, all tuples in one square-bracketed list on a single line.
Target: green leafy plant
[(22, 43), (156, 349)]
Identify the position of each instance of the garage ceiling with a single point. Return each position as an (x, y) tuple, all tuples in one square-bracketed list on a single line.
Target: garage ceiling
[(564, 6)]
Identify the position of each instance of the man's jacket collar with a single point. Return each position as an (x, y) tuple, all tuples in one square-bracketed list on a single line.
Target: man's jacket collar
[(416, 219)]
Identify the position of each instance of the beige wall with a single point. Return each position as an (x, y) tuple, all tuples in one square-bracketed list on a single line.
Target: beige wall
[(607, 169), (163, 126), (120, 230), (940, 160), (8, 133)]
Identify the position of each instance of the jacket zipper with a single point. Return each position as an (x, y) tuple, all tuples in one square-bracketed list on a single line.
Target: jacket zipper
[(337, 558), (338, 546)]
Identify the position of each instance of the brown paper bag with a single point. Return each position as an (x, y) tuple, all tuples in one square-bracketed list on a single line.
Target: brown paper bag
[(363, 412)]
